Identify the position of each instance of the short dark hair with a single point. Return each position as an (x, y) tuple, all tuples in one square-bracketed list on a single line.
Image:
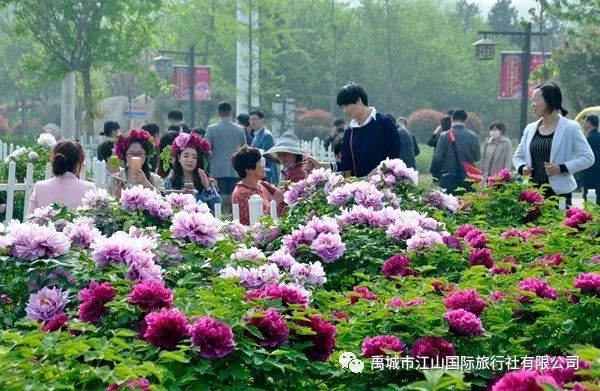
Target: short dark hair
[(105, 150), (592, 119), (224, 109), (498, 125), (459, 115), (199, 130), (446, 122), (110, 127), (338, 122), (244, 159), (175, 115), (179, 128), (66, 155), (244, 119), (350, 93), (152, 128), (553, 96), (257, 113)]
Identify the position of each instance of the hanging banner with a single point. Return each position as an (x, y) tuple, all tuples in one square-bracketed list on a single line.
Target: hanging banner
[(202, 83), (510, 73)]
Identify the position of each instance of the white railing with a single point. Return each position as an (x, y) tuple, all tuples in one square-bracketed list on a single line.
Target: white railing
[(255, 210), (317, 149), (6, 149)]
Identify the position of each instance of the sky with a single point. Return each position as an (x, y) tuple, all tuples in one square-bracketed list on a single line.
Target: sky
[(521, 5)]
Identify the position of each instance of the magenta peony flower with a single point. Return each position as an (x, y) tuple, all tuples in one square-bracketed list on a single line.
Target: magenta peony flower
[(551, 259), (298, 237), (166, 329), (361, 292), (531, 197), (341, 315), (382, 345), (288, 294), (452, 242), (131, 385), (31, 241), (440, 286), (212, 339), (502, 176), (540, 287), (272, 327), (515, 233), (323, 340), (588, 282), (481, 256), (476, 238), (576, 217), (46, 304), (463, 230), (559, 369), (463, 322), (59, 322), (497, 296), (523, 380), (137, 197), (201, 228), (121, 248), (94, 298), (397, 265), (151, 295), (328, 246), (500, 269), (467, 300), (432, 347), (536, 231)]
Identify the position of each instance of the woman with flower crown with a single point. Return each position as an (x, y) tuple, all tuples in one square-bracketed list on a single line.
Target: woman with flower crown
[(191, 152), (137, 146)]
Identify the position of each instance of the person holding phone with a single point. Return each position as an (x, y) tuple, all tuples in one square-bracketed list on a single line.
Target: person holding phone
[(134, 150), (191, 152)]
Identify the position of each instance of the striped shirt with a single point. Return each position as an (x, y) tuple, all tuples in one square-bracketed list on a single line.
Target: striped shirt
[(540, 152)]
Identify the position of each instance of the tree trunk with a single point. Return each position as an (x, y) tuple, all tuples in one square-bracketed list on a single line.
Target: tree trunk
[(90, 109)]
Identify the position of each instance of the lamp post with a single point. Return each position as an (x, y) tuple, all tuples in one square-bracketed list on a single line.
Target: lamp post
[(165, 64), (484, 50)]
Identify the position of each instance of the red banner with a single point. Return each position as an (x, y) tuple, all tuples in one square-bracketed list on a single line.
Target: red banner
[(510, 73), (182, 83)]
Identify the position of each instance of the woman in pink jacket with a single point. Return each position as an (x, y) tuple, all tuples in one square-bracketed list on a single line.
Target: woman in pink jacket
[(65, 187)]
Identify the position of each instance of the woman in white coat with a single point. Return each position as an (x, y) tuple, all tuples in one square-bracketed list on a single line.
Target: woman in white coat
[(552, 148)]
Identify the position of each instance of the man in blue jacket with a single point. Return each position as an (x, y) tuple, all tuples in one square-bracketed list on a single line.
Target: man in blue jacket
[(369, 139)]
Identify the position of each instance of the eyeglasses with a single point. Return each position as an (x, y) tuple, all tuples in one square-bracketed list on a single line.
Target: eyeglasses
[(136, 154)]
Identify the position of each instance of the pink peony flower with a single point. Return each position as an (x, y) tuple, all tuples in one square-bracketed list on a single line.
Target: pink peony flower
[(297, 238), (262, 234), (297, 192), (452, 242), (476, 238), (576, 217), (200, 228), (559, 368), (211, 338), (423, 240), (501, 269), (551, 260), (308, 274), (151, 295), (432, 347), (361, 292), (323, 339), (254, 278), (440, 286), (323, 225), (502, 176), (282, 258), (82, 232), (44, 305), (58, 322), (179, 200), (382, 345), (515, 233), (540, 287), (397, 265), (98, 199), (523, 380), (463, 230), (31, 241), (287, 293), (341, 315), (248, 254), (531, 197), (588, 282), (272, 327), (536, 231), (398, 169), (463, 322), (93, 300), (441, 200), (467, 300), (497, 296), (131, 385), (166, 329), (329, 247), (236, 230), (481, 256)]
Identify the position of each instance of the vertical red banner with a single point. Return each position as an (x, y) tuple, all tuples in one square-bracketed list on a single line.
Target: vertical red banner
[(202, 83), (510, 73)]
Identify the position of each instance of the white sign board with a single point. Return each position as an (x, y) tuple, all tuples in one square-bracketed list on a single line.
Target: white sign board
[(134, 111)]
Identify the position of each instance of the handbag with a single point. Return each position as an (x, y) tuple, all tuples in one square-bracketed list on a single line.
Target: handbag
[(471, 172)]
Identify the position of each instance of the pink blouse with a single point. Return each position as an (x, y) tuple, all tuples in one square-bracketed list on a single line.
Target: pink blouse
[(66, 189)]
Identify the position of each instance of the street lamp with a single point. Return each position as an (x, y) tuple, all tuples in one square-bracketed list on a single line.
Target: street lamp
[(484, 50), (164, 64)]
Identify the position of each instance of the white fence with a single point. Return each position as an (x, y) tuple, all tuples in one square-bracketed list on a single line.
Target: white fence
[(317, 149)]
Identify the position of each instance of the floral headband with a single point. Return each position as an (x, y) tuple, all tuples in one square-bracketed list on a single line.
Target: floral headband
[(135, 136), (190, 140)]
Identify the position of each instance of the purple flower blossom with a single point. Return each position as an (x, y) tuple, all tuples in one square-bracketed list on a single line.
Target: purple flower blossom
[(308, 274), (46, 304), (211, 338), (166, 329), (397, 265), (540, 287), (403, 229), (588, 282), (137, 197), (476, 238), (398, 169), (359, 292), (502, 176), (463, 230), (452, 242), (481, 256), (151, 295), (42, 215), (324, 225), (423, 240), (58, 322), (441, 200), (82, 232), (272, 327), (282, 258), (536, 231), (263, 234), (432, 347), (298, 237), (297, 192), (363, 193), (382, 345), (31, 241), (467, 300), (323, 338), (329, 247), (253, 278), (236, 230), (201, 228), (98, 199), (576, 217), (179, 200), (515, 233), (93, 300), (131, 385), (248, 254), (359, 214), (120, 248), (531, 197), (287, 293), (463, 322), (398, 302), (500, 269)]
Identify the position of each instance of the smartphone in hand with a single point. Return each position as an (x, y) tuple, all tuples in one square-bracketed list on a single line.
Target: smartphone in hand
[(135, 163)]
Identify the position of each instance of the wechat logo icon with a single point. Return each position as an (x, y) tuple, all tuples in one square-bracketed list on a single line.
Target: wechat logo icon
[(349, 361)]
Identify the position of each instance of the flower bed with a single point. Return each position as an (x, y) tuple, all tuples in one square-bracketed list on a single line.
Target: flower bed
[(358, 279)]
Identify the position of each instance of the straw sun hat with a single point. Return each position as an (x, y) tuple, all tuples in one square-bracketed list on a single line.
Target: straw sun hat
[(286, 143)]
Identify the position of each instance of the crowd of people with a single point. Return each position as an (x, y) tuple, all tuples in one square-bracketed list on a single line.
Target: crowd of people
[(230, 161)]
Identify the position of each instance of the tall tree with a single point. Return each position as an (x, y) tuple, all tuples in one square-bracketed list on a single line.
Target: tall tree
[(82, 35), (467, 12), (503, 16)]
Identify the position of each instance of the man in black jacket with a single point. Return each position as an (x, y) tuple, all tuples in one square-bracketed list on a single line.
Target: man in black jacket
[(591, 176)]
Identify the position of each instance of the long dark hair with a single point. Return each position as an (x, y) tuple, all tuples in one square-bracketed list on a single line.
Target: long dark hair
[(177, 174)]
